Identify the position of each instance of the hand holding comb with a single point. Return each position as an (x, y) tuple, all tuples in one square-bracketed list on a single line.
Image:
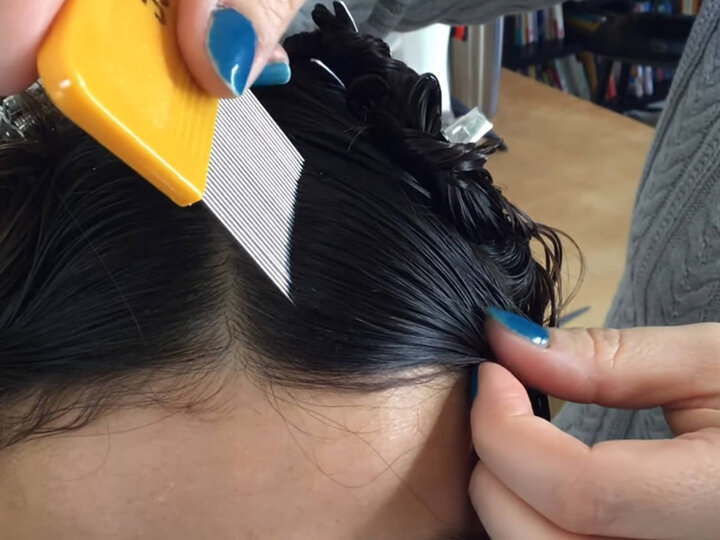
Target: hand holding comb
[(115, 69)]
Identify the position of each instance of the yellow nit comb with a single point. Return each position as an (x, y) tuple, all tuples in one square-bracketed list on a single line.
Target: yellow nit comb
[(115, 69)]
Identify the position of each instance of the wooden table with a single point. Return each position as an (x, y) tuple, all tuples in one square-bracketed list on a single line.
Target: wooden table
[(576, 167)]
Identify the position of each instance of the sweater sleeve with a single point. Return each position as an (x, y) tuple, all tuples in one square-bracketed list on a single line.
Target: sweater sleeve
[(457, 12), (380, 17)]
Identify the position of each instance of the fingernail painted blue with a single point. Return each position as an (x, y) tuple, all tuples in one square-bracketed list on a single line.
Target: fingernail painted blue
[(231, 43), (531, 331), (473, 382), (274, 75)]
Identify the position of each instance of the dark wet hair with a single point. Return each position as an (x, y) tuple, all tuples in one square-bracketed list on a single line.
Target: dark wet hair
[(110, 295)]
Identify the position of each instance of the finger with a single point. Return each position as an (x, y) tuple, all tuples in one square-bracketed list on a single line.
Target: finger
[(277, 69), (227, 45), (693, 419), (505, 515), (633, 368), (23, 25), (278, 54), (636, 489)]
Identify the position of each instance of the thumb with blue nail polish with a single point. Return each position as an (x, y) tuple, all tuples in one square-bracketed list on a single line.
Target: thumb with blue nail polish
[(232, 45)]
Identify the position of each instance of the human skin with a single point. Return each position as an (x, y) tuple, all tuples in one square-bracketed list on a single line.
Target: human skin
[(260, 461), (23, 25), (534, 481)]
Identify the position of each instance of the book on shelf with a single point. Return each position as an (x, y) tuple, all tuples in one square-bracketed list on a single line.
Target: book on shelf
[(649, 82), (558, 21), (636, 85), (666, 7), (588, 60), (611, 92), (548, 25), (579, 77), (573, 70), (531, 24), (539, 26), (555, 77), (562, 76), (566, 74), (689, 7), (669, 7), (584, 22)]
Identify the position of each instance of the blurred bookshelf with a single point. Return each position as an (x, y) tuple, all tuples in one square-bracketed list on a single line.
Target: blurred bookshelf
[(518, 57), (538, 37), (577, 47)]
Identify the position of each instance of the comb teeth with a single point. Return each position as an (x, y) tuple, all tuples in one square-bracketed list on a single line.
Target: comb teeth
[(252, 184)]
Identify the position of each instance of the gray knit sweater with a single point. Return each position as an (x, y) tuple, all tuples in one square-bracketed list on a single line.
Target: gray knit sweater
[(380, 17), (672, 273)]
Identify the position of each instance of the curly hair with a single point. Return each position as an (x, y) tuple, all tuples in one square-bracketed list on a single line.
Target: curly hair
[(400, 243)]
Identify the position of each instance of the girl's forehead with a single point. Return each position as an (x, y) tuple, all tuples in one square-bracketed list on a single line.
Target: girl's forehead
[(295, 465)]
